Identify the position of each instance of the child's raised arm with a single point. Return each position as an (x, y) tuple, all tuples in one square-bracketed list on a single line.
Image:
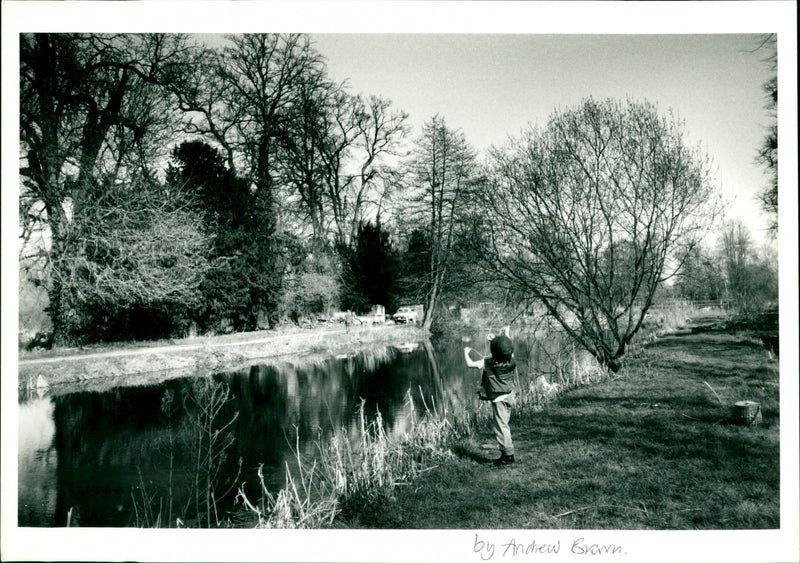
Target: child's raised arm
[(470, 362)]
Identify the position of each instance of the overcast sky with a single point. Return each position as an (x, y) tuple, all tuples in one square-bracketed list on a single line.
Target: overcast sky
[(492, 86)]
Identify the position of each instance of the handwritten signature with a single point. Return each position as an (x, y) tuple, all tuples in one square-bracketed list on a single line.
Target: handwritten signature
[(514, 548)]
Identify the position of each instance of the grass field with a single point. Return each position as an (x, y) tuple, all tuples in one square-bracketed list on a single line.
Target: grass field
[(655, 448)]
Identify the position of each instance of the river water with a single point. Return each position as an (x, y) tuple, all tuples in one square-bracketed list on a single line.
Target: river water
[(101, 459)]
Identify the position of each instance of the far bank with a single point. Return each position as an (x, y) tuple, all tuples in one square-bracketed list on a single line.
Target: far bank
[(65, 370)]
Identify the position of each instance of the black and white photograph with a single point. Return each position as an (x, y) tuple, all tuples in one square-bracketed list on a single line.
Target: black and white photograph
[(345, 281)]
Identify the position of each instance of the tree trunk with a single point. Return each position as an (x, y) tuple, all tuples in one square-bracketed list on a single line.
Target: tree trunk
[(428, 316), (55, 291), (609, 360), (59, 335)]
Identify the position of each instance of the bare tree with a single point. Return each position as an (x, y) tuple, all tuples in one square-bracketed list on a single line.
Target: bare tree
[(334, 133), (305, 169), (702, 277), (138, 246), (750, 273), (584, 215), (443, 166), (92, 108), (768, 153), (736, 247), (379, 134), (335, 156), (357, 137), (244, 98)]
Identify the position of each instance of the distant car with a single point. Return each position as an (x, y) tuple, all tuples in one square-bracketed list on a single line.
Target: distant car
[(408, 314)]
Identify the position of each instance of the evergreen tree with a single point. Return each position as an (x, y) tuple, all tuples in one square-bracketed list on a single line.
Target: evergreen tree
[(235, 282), (413, 270), (370, 270)]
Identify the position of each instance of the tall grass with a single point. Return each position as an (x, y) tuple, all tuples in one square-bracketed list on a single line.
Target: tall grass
[(207, 434), (667, 317), (352, 471), (374, 464), (146, 513), (306, 501)]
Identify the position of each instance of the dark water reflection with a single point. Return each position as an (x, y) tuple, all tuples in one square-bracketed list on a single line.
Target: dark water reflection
[(92, 452)]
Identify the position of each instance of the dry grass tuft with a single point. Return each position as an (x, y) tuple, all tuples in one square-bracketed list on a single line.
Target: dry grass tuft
[(351, 471)]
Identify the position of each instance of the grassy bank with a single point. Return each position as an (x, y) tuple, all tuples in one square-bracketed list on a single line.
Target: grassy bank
[(654, 448)]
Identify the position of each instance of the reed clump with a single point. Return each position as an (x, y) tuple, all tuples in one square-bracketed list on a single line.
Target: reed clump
[(667, 317), (352, 468), (374, 464), (307, 500)]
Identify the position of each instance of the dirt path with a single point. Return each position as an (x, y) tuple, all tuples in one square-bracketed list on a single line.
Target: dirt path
[(99, 370), (174, 348)]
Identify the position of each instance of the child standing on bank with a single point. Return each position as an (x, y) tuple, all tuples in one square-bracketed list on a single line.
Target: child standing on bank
[(497, 386)]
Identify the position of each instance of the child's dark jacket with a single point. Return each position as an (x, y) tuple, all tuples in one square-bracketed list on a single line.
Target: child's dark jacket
[(497, 378)]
